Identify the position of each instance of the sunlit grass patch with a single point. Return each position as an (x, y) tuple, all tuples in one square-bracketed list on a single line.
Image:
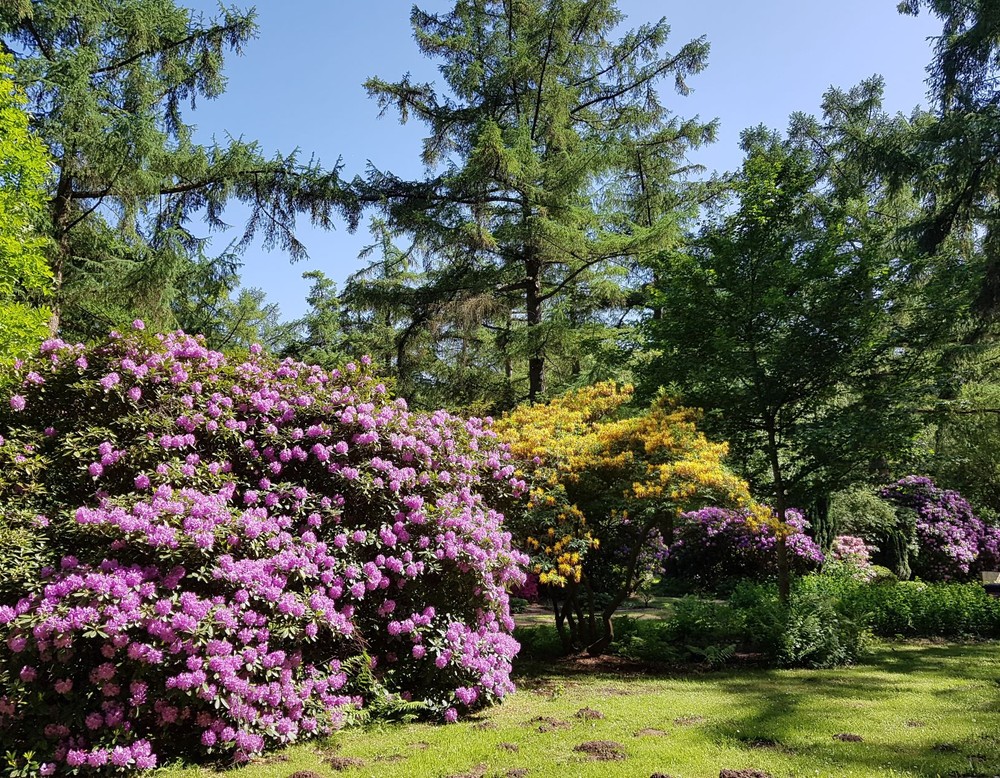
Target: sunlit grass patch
[(911, 710)]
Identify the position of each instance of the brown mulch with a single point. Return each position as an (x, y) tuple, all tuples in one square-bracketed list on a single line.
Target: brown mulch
[(602, 750), (848, 737)]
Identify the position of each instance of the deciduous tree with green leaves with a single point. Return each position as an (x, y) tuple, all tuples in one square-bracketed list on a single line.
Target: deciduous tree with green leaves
[(25, 280), (786, 321), (552, 164), (107, 84)]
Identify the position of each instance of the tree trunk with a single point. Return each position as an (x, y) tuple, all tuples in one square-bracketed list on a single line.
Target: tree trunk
[(780, 508), (60, 212), (602, 644), (533, 311)]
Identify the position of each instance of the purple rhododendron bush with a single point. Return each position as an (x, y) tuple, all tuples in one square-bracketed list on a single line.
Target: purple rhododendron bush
[(231, 557), (953, 544), (716, 545)]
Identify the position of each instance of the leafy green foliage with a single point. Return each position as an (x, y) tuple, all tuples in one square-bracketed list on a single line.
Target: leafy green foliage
[(786, 320), (25, 279), (916, 609)]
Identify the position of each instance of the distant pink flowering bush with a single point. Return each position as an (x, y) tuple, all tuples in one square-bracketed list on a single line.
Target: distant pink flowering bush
[(851, 555), (223, 548)]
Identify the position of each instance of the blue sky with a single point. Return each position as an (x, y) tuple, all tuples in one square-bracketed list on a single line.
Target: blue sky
[(299, 85)]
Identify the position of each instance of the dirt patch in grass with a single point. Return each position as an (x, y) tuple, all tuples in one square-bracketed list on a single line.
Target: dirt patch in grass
[(548, 724), (848, 737), (341, 763), (512, 747), (765, 743), (602, 750), (516, 772), (479, 771), (689, 721), (915, 723), (305, 774), (748, 773), (650, 732), (483, 725), (588, 714)]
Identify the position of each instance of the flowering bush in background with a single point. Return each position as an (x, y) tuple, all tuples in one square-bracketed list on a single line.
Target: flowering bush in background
[(714, 545), (952, 542), (227, 551), (852, 556)]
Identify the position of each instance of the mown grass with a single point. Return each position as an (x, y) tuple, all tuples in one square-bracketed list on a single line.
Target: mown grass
[(920, 710)]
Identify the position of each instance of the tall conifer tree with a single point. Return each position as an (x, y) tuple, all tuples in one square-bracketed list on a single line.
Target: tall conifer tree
[(552, 163)]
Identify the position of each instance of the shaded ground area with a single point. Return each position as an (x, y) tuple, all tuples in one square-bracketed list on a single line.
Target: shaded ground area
[(912, 710)]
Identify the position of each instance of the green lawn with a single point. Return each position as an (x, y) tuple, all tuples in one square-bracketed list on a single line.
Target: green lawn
[(919, 710)]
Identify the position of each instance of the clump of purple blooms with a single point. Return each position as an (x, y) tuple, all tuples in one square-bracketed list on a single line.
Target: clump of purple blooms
[(952, 542), (229, 542), (714, 545)]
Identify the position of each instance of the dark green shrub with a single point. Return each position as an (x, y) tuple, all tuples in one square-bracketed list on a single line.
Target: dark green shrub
[(539, 643), (916, 609)]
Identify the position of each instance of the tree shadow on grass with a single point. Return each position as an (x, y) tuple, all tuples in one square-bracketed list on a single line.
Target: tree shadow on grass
[(796, 715)]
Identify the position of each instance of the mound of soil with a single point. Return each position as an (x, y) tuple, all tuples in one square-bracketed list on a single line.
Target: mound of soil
[(549, 724), (341, 763), (602, 750), (588, 714)]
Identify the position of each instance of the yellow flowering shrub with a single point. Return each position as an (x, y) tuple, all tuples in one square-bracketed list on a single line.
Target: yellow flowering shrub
[(607, 485)]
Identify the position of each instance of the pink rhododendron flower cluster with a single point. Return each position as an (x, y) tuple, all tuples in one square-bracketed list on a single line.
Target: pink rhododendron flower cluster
[(226, 545), (851, 555)]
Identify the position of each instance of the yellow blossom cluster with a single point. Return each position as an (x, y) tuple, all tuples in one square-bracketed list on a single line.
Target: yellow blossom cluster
[(593, 464)]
